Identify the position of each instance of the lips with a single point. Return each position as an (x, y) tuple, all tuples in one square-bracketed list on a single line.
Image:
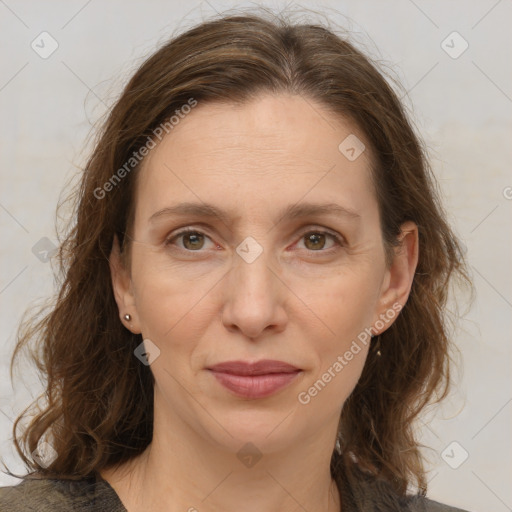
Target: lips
[(263, 367), (254, 380)]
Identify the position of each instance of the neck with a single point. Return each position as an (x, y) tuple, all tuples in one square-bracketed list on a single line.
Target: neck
[(184, 470)]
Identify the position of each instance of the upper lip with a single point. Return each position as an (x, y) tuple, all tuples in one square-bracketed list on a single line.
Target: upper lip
[(262, 367)]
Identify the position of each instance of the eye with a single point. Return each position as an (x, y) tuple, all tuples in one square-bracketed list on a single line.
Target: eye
[(315, 241), (192, 240)]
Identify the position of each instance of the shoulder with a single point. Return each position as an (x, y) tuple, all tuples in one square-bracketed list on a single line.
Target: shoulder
[(422, 504), (363, 492), (389, 501), (56, 495)]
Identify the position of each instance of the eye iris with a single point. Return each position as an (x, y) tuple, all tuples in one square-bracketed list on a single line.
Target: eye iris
[(196, 239), (316, 239)]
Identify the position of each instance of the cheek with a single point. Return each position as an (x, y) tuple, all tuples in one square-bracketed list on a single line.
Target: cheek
[(340, 361), (342, 308), (342, 305), (169, 304), (325, 393)]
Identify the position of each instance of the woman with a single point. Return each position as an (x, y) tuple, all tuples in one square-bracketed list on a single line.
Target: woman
[(252, 314)]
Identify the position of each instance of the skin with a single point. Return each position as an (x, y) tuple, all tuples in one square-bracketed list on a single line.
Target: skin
[(201, 303)]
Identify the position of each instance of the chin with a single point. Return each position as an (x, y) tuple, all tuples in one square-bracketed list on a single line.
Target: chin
[(267, 430)]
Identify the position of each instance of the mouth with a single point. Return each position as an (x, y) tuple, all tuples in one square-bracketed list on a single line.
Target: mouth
[(254, 380)]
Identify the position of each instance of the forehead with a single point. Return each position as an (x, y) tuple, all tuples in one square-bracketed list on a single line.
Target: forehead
[(272, 147)]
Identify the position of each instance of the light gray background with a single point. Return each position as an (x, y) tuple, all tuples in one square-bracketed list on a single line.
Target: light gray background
[(462, 106)]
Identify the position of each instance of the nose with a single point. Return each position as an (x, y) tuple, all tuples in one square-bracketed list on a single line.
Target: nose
[(254, 297)]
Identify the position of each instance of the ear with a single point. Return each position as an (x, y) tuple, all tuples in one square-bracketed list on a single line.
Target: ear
[(123, 289), (397, 282)]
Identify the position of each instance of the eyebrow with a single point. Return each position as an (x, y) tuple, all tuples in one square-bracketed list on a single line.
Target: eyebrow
[(291, 212)]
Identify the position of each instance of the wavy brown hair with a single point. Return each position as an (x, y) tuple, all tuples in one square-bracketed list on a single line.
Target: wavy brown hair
[(99, 398)]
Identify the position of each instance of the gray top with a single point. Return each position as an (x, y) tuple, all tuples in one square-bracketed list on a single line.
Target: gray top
[(96, 495)]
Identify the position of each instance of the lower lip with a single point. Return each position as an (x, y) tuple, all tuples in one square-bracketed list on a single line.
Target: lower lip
[(255, 386)]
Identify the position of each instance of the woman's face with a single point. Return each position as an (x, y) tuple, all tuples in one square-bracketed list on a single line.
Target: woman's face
[(271, 278)]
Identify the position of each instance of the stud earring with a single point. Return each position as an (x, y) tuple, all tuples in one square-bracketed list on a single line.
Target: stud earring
[(127, 317), (376, 346)]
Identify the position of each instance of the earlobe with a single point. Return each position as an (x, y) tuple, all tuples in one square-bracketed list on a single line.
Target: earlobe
[(400, 275), (123, 289)]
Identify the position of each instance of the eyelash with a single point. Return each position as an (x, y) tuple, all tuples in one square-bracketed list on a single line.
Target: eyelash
[(339, 240)]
